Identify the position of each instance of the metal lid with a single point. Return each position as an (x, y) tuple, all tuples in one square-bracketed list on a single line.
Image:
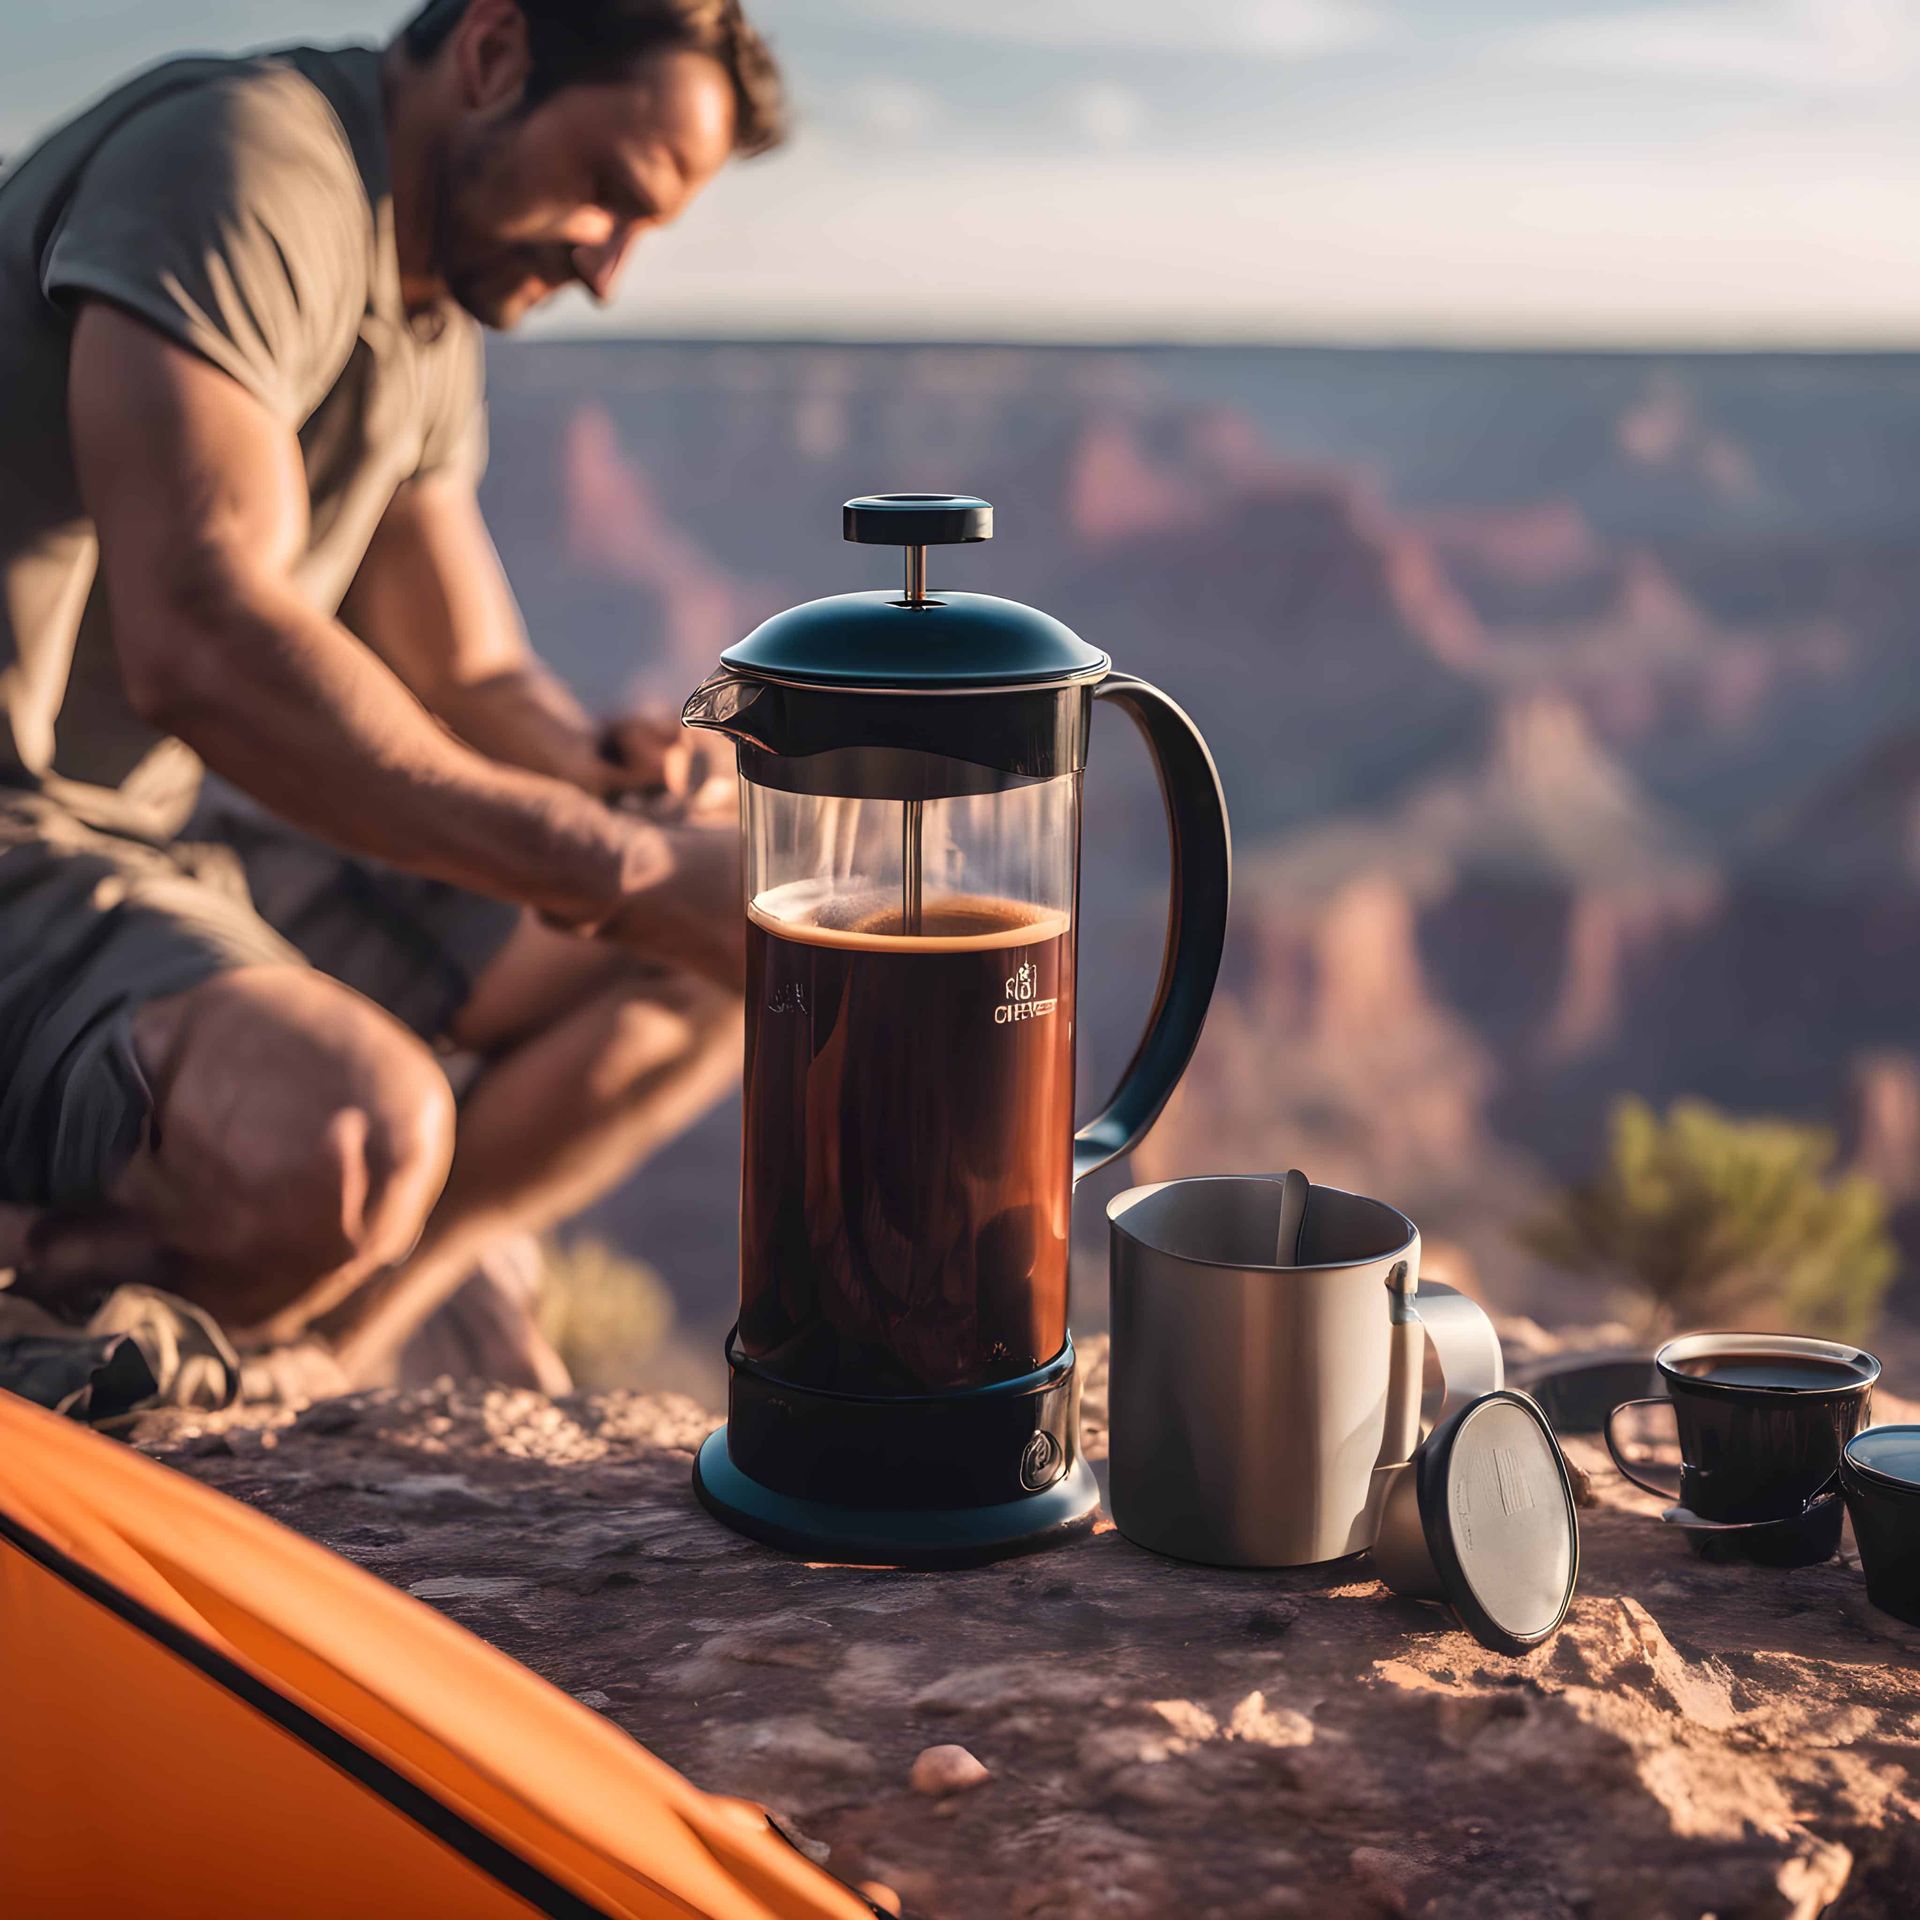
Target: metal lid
[(1497, 1509), (917, 640)]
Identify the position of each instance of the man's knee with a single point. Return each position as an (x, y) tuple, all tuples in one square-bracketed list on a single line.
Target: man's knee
[(377, 1165), (300, 1131)]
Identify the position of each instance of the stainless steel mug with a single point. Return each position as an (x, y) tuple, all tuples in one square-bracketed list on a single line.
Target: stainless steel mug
[(1257, 1410)]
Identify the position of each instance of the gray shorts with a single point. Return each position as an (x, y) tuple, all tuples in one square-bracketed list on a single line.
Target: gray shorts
[(94, 924)]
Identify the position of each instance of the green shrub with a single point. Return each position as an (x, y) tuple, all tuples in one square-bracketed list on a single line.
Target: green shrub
[(1717, 1220), (605, 1312)]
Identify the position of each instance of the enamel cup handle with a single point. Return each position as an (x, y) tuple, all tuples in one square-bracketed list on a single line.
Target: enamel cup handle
[(1619, 1460)]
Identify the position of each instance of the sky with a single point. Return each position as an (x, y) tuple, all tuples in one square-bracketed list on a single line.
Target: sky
[(1531, 172)]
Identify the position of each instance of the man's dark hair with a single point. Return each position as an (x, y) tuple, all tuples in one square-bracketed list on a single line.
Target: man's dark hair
[(588, 40)]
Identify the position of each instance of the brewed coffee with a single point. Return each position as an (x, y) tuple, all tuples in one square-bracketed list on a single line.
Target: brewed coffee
[(908, 1139), (1793, 1372)]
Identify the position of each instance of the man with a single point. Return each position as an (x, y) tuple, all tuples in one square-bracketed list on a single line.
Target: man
[(241, 427)]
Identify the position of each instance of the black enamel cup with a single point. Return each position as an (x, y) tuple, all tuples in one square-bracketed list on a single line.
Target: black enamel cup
[(1880, 1476), (1763, 1418)]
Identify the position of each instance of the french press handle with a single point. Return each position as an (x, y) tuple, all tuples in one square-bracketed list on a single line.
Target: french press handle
[(1196, 921)]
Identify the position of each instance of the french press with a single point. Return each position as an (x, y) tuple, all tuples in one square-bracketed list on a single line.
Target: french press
[(902, 1384)]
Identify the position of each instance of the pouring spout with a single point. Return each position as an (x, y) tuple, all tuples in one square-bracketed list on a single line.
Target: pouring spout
[(717, 704)]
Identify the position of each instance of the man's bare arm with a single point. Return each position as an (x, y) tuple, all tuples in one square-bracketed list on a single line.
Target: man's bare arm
[(200, 500), (433, 600)]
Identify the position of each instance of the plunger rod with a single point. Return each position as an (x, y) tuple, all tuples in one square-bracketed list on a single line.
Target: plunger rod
[(910, 826), (910, 829)]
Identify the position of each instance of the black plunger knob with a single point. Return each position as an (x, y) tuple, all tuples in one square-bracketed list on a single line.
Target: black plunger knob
[(916, 519)]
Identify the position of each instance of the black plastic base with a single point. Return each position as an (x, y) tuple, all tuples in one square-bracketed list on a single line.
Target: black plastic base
[(893, 1536), (933, 1480)]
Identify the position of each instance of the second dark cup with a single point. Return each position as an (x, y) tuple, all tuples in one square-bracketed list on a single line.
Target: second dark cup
[(1762, 1419), (1880, 1476)]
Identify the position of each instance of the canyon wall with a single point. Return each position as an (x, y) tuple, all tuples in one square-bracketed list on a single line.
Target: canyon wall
[(1566, 711)]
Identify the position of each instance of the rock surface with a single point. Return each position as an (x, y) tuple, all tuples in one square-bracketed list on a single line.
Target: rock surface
[(1161, 1739)]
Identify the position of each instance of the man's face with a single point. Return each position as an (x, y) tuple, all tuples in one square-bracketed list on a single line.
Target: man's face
[(532, 201)]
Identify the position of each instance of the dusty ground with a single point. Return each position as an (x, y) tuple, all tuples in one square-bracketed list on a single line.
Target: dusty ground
[(1158, 1739)]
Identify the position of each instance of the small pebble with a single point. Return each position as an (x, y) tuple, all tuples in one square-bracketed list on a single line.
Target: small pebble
[(944, 1770)]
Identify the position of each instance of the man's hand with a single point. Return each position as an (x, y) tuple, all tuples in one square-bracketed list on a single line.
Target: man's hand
[(432, 599), (689, 914), (650, 754), (686, 776)]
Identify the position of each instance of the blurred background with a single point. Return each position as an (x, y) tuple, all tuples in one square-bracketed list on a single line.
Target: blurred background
[(1493, 419)]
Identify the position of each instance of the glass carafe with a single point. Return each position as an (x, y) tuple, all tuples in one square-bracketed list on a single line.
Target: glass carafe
[(908, 1142)]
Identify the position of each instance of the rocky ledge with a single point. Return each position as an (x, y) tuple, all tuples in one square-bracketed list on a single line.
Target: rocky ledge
[(1097, 1734)]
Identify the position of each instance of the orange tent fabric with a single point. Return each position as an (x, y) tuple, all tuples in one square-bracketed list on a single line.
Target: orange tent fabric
[(202, 1712)]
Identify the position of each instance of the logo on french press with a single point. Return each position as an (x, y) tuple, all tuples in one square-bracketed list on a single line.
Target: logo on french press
[(1020, 1002)]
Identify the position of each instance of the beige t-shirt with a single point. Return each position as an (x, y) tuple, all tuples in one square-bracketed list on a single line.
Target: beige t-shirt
[(241, 206)]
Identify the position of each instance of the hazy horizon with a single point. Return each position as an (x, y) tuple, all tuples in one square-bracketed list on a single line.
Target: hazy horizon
[(1498, 173), (555, 333)]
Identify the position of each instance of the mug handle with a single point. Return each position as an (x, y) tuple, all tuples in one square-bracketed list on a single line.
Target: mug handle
[(1463, 1341), (1646, 1486), (1196, 922), (1426, 1313)]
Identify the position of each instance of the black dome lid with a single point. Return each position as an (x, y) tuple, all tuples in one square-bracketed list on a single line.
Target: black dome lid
[(916, 640), (950, 640)]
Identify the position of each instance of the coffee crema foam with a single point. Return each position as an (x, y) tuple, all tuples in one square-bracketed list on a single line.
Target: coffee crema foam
[(875, 922)]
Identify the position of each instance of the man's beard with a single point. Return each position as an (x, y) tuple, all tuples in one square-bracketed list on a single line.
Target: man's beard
[(488, 279), (494, 287)]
